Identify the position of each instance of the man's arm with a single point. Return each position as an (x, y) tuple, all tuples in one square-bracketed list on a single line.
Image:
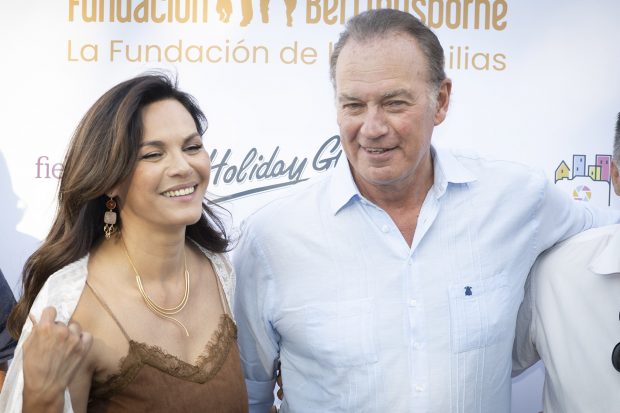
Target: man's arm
[(561, 217), (524, 352), (258, 342)]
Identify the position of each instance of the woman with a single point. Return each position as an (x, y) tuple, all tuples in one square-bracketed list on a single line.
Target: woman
[(134, 257)]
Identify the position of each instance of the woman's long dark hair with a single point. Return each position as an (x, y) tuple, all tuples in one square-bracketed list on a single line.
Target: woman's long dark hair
[(103, 152)]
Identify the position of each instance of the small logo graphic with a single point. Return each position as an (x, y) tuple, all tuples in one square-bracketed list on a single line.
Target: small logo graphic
[(582, 193), (468, 290), (586, 182)]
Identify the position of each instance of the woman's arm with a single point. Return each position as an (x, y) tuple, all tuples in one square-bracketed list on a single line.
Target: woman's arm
[(53, 354), (79, 388)]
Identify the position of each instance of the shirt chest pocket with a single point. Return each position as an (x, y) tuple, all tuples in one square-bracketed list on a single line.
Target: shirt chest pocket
[(340, 334), (479, 313)]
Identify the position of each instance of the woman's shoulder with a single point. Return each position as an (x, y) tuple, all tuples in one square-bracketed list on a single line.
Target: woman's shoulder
[(224, 271), (220, 261), (62, 290)]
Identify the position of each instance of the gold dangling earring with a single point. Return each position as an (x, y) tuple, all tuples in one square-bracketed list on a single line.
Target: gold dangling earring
[(109, 218)]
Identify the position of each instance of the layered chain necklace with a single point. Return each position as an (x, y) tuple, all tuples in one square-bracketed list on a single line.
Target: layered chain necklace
[(163, 312)]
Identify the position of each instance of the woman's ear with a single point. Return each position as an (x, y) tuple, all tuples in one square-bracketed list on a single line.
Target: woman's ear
[(114, 192)]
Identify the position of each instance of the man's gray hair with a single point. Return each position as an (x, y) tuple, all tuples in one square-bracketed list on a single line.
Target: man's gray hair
[(616, 154), (373, 24)]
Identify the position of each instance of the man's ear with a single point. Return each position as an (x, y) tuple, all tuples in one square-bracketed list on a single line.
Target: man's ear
[(443, 101), (615, 177)]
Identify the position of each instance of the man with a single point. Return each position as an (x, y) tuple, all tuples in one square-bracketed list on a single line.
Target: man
[(393, 284), (570, 318), (7, 343)]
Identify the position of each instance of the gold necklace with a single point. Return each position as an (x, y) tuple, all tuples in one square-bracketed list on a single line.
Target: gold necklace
[(162, 311)]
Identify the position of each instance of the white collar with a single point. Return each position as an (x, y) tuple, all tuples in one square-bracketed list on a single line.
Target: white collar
[(447, 169)]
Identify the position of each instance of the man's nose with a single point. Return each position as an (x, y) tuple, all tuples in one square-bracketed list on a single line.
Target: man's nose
[(375, 124)]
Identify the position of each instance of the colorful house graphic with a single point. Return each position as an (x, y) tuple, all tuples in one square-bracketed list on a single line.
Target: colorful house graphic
[(604, 161), (562, 171), (586, 181), (579, 165), (594, 172)]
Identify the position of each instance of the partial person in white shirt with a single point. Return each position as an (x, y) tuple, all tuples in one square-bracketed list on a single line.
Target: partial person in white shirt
[(570, 318), (393, 284)]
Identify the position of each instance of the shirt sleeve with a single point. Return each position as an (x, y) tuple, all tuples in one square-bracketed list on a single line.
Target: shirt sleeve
[(524, 352), (258, 341), (560, 217)]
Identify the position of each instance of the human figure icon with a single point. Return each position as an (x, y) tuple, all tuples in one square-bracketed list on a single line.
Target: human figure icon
[(224, 9), (290, 7), (247, 11)]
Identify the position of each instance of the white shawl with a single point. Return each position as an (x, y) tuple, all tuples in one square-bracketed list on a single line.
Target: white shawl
[(63, 290)]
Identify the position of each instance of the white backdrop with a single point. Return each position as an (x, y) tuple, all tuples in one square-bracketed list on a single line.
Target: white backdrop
[(535, 81)]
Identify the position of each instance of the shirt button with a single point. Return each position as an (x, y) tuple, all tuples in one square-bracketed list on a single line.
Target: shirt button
[(385, 229), (419, 388), (417, 345), (413, 302)]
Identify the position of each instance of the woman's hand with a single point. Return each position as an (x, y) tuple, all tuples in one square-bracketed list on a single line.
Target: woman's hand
[(52, 354)]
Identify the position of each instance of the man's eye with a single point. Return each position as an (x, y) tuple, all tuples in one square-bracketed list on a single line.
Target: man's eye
[(352, 106)]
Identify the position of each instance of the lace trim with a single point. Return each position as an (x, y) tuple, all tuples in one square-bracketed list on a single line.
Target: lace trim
[(225, 273), (207, 364)]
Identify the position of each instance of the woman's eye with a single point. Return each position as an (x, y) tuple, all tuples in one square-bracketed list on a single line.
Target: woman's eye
[(194, 148), (151, 155)]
